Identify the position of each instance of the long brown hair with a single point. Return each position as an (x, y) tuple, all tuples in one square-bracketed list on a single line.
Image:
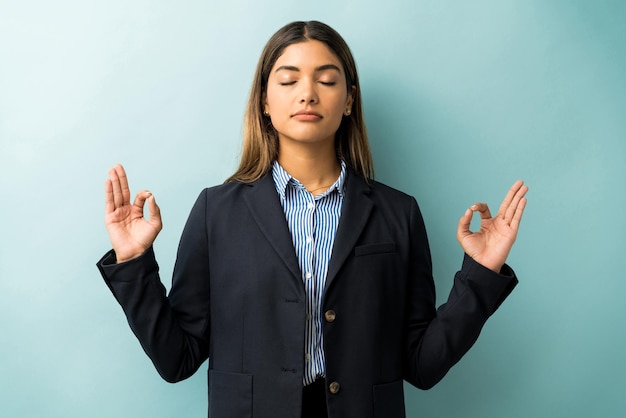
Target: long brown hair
[(260, 139)]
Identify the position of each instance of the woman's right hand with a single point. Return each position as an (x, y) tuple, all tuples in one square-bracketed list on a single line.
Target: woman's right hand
[(130, 233)]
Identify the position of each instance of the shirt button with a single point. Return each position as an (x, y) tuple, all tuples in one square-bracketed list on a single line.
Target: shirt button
[(308, 317), (334, 387), (308, 275), (309, 239), (311, 205), (307, 357), (330, 315)]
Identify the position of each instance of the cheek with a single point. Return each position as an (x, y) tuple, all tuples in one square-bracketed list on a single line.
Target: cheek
[(341, 98), (339, 104), (270, 95), (275, 101)]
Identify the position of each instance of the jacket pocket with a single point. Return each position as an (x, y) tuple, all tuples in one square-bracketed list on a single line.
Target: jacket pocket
[(230, 395), (381, 248), (389, 400)]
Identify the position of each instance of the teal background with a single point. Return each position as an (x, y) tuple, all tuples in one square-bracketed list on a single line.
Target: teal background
[(461, 99)]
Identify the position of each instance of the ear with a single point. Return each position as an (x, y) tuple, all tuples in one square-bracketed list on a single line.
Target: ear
[(266, 108), (350, 102), (350, 99)]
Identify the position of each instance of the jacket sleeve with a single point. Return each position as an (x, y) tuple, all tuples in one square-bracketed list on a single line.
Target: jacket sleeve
[(438, 338), (173, 330)]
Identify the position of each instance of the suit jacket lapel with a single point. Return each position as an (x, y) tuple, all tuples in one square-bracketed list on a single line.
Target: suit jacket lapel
[(355, 212), (264, 205)]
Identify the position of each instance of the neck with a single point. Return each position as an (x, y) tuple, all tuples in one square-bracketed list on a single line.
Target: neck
[(317, 169)]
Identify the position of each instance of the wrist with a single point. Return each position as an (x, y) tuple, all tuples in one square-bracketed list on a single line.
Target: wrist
[(125, 257), (494, 266)]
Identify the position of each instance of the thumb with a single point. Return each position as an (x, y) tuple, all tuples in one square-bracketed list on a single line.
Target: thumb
[(463, 229), (154, 211)]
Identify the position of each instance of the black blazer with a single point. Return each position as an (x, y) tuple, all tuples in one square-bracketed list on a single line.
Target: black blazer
[(237, 297)]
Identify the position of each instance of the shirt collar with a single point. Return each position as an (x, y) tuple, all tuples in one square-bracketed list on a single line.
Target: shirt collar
[(282, 179)]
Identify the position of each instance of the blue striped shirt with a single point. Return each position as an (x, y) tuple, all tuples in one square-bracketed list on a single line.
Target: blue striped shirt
[(313, 224)]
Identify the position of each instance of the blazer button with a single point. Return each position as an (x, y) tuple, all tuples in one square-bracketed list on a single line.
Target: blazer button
[(334, 387), (330, 315)]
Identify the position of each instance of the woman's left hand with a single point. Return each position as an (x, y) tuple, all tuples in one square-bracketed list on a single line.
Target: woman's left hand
[(491, 244)]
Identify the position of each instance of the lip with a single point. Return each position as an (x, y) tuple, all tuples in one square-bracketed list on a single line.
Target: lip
[(306, 115)]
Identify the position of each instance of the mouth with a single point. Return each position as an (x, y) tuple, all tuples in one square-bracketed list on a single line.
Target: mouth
[(306, 115)]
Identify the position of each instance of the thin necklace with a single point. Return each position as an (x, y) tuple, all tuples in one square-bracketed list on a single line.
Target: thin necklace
[(319, 188)]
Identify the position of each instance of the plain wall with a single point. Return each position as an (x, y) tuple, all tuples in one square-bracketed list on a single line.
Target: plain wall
[(461, 99)]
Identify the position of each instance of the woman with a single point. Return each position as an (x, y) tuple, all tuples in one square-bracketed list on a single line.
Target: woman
[(306, 284)]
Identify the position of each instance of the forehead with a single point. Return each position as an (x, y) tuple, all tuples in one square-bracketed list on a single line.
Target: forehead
[(307, 54)]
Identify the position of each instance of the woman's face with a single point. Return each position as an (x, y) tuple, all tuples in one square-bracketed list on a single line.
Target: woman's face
[(307, 95)]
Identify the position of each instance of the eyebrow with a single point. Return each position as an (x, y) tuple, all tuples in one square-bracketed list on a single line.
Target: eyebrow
[(317, 69)]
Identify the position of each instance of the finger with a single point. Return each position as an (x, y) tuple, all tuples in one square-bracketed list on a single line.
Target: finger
[(517, 217), (140, 199), (109, 203), (482, 209), (508, 199), (512, 209), (118, 199), (463, 229), (121, 173)]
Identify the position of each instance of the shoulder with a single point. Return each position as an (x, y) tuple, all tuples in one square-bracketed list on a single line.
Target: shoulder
[(220, 195), (394, 201), (388, 202), (380, 192), (236, 192), (388, 191), (226, 189)]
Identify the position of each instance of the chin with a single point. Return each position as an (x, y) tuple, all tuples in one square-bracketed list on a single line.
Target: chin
[(308, 137)]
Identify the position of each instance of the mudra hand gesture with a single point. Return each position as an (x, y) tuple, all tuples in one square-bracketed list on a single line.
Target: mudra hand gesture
[(131, 234), (491, 244)]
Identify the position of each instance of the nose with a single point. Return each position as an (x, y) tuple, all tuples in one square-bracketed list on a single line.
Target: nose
[(308, 93)]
